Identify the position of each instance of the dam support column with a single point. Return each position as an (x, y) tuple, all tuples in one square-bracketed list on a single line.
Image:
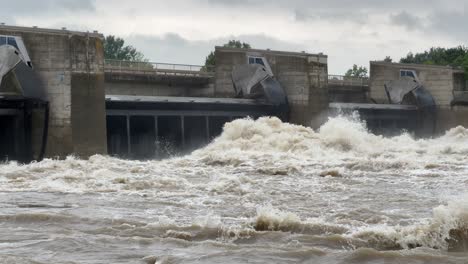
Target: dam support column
[(69, 74), (305, 82), (303, 76)]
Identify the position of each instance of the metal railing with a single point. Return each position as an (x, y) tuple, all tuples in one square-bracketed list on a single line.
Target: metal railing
[(347, 81), (460, 94), (143, 66), (172, 68)]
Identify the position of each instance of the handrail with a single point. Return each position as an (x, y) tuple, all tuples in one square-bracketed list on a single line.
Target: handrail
[(119, 65), (348, 80), (460, 93), (143, 66), (459, 97)]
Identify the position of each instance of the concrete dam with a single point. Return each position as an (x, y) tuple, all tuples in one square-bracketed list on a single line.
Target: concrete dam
[(61, 97)]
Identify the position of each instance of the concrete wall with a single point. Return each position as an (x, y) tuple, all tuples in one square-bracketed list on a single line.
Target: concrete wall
[(69, 67), (88, 114), (348, 94), (450, 118), (303, 76), (441, 81), (159, 88)]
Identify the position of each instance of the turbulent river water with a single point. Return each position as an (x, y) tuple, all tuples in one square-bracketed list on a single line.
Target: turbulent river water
[(262, 192)]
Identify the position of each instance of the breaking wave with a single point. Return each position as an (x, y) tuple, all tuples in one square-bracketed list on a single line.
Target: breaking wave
[(446, 230), (341, 147)]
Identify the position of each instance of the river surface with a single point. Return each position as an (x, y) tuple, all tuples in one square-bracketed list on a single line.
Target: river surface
[(262, 192)]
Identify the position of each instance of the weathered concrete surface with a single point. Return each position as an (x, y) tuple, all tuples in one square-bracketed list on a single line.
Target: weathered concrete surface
[(158, 85), (348, 94), (57, 55), (346, 89), (441, 81), (451, 117), (303, 76), (88, 114)]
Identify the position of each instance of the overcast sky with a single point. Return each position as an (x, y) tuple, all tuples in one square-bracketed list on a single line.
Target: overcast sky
[(185, 31)]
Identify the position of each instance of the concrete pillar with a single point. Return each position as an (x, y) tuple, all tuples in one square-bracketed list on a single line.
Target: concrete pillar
[(68, 69)]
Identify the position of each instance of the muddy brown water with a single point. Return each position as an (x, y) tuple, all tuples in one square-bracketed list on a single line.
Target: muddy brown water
[(263, 192)]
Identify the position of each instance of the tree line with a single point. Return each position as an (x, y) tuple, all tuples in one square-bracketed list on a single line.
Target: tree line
[(115, 49)]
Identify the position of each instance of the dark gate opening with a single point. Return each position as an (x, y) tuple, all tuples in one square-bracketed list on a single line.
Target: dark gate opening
[(142, 136), (216, 125), (177, 124), (389, 124), (7, 138), (117, 135), (170, 135), (196, 132)]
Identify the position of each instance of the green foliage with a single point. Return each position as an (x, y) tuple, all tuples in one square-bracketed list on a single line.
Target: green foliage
[(456, 57), (210, 61), (115, 49), (464, 65), (237, 44), (388, 59), (355, 71)]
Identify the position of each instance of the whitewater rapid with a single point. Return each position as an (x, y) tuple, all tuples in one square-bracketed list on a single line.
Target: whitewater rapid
[(262, 192)]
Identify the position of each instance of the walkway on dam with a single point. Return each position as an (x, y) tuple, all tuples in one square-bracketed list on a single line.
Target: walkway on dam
[(137, 67), (158, 68)]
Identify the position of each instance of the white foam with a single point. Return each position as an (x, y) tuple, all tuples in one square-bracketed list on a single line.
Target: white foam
[(433, 233), (255, 162)]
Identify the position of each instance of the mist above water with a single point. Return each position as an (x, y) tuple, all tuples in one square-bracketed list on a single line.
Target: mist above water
[(263, 191)]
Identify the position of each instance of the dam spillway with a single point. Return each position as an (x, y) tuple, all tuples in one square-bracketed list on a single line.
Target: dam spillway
[(91, 99), (151, 126)]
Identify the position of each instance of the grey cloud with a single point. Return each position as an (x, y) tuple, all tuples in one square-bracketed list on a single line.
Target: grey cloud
[(231, 2), (262, 41), (304, 15), (449, 24), (46, 7), (407, 20), (173, 48), (73, 5), (329, 4), (453, 24), (8, 20)]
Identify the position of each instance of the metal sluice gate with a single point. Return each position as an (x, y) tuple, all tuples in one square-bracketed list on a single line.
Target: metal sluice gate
[(23, 129), (140, 127), (24, 116)]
